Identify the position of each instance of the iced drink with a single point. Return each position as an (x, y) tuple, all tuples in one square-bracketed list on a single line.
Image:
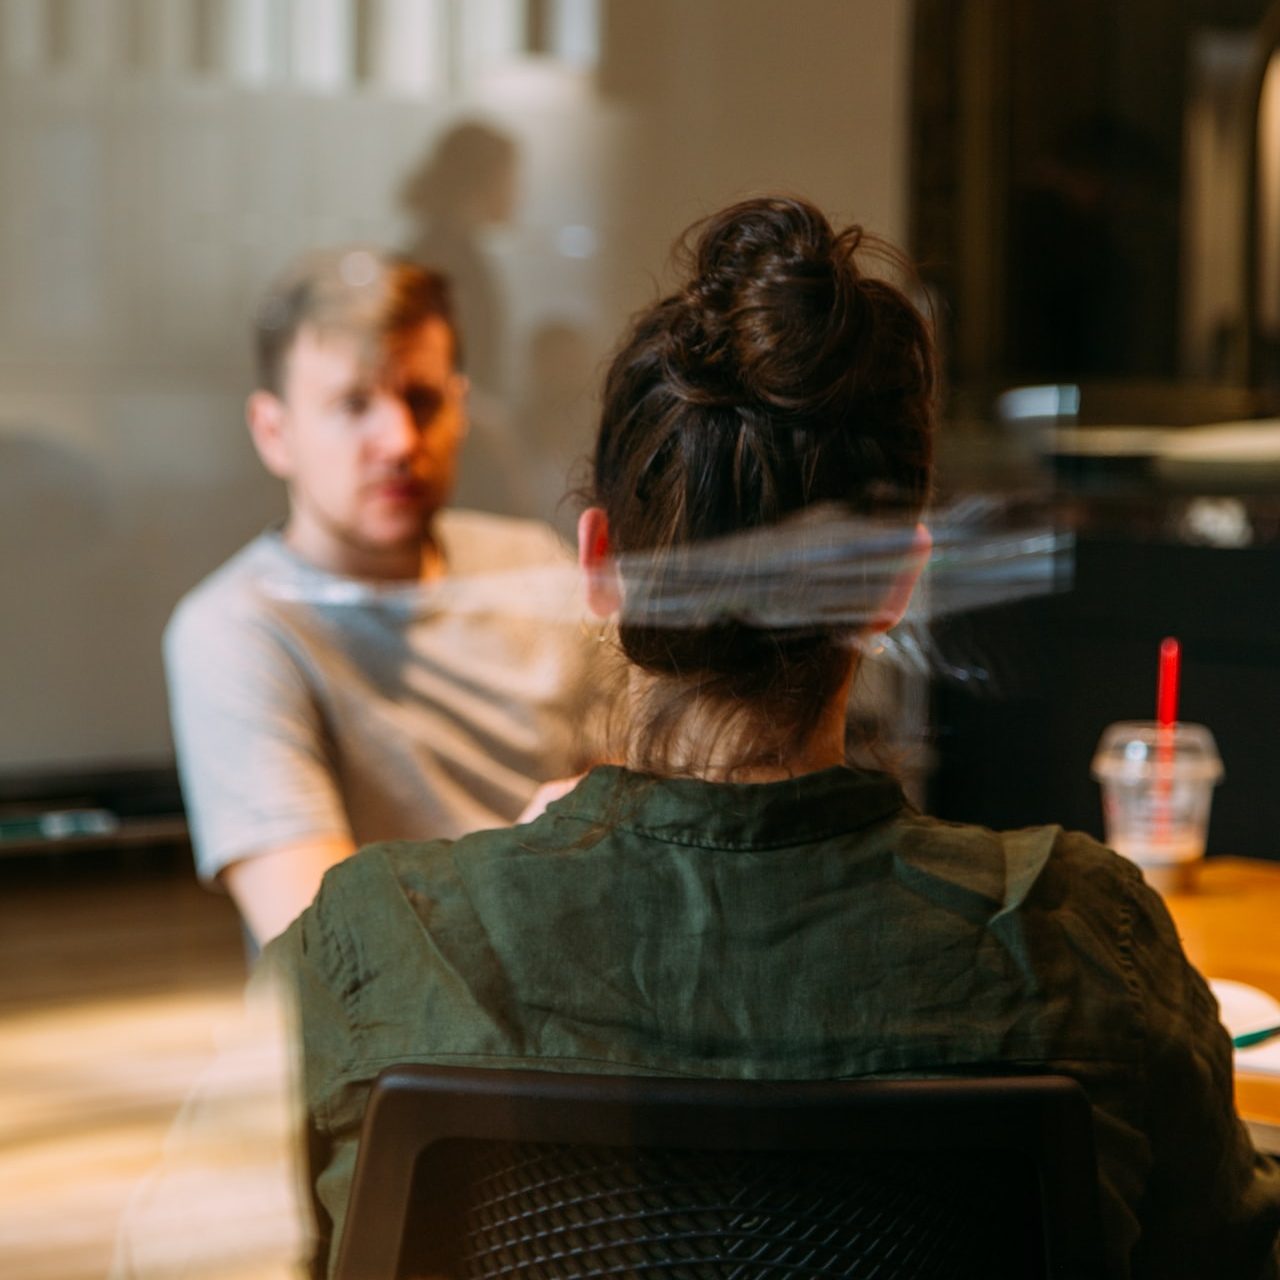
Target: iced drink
[(1157, 784)]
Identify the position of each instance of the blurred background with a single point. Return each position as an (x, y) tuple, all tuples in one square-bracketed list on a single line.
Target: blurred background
[(1093, 193)]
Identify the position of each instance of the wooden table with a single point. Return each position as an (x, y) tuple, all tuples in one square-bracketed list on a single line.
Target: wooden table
[(1230, 928)]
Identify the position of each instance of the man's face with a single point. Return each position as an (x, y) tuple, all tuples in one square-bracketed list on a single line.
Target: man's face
[(366, 435)]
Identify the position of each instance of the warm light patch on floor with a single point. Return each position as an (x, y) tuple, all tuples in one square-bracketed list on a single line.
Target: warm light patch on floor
[(116, 997)]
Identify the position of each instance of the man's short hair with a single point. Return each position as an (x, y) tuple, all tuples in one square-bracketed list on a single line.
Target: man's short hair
[(357, 290)]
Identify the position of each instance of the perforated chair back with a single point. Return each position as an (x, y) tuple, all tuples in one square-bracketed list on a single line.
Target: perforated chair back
[(477, 1173)]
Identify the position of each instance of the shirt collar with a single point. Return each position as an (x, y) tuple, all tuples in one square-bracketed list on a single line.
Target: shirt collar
[(733, 815)]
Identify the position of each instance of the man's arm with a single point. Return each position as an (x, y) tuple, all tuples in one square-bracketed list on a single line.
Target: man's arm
[(545, 794), (275, 886), (263, 801)]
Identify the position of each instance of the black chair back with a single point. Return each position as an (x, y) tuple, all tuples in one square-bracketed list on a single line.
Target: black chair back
[(476, 1173)]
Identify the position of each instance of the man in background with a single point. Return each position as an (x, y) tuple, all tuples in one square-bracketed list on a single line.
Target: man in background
[(377, 667)]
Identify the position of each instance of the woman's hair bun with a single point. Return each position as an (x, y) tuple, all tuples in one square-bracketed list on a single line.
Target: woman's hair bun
[(781, 375), (770, 307)]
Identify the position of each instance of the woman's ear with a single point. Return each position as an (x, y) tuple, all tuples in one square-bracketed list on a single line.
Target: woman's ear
[(599, 571), (898, 597)]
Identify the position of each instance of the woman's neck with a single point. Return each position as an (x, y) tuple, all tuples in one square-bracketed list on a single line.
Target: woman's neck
[(710, 744)]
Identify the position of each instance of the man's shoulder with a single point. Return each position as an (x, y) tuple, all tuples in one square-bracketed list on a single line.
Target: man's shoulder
[(233, 593), (482, 542)]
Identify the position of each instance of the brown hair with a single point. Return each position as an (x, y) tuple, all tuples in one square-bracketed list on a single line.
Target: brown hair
[(355, 289), (780, 377)]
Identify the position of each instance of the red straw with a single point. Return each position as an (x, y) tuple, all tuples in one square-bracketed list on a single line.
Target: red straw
[(1167, 684), (1166, 718)]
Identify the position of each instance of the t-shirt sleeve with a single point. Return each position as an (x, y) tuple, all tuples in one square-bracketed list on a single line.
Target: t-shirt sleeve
[(253, 752), (1213, 1203)]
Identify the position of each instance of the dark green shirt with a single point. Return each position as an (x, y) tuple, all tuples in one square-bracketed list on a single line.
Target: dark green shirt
[(812, 928)]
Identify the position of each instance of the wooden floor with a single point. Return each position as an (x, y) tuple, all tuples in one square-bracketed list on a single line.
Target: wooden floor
[(115, 978)]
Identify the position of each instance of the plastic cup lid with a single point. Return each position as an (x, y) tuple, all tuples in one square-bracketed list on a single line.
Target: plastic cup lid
[(1131, 750)]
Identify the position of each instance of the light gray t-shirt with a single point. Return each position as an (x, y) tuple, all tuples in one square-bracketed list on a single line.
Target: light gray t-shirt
[(305, 704)]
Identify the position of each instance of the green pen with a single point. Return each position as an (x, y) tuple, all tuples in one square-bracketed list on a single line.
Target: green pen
[(1255, 1037)]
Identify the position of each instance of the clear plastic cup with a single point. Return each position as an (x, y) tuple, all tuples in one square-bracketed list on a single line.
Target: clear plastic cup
[(1157, 785)]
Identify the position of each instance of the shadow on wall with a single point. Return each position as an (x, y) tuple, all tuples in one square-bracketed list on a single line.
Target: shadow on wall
[(466, 184)]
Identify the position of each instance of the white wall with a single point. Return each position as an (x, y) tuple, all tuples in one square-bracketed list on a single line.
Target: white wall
[(734, 97)]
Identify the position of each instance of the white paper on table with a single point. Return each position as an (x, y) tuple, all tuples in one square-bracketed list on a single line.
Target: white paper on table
[(1263, 1057), (1242, 1009)]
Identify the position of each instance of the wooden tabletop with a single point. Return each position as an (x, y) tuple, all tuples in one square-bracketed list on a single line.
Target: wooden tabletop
[(1230, 928)]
